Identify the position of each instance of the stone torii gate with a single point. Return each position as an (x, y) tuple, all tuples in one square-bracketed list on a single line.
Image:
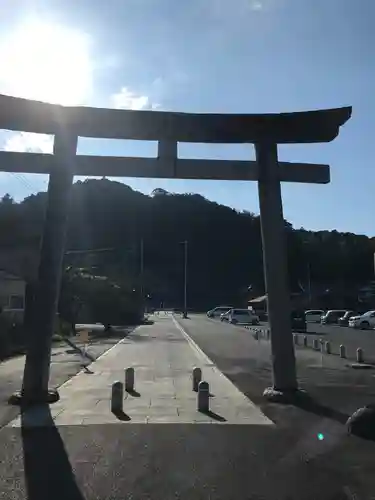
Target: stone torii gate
[(265, 131)]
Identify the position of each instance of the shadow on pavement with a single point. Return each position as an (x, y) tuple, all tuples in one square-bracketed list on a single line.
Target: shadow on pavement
[(48, 472), (120, 415), (214, 416), (312, 406), (134, 393)]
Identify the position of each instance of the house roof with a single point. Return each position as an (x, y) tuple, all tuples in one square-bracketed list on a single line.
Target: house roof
[(6, 275), (258, 300)]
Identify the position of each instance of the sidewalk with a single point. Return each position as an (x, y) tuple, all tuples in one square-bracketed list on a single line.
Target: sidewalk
[(163, 360)]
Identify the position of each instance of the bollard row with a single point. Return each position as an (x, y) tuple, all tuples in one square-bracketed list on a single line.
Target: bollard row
[(117, 390), (317, 344), (326, 347), (201, 387)]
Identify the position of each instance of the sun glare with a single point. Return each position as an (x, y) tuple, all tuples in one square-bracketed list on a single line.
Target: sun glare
[(46, 62)]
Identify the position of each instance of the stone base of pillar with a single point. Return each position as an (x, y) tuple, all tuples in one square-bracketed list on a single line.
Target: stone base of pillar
[(19, 399), (284, 396)]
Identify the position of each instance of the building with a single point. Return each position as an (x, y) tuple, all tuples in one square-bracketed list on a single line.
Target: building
[(12, 291), (259, 304)]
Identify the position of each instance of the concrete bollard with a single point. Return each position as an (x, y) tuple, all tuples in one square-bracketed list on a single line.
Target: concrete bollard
[(295, 339), (305, 340), (256, 335), (117, 397), (129, 379), (327, 347), (360, 357), (196, 378), (203, 396), (342, 351), (316, 344)]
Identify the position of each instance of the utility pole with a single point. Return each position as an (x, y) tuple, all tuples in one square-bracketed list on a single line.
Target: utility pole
[(309, 281), (141, 284), (185, 243)]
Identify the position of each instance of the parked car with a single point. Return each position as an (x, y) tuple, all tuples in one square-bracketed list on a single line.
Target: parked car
[(344, 320), (218, 311), (332, 316), (242, 316), (298, 320), (314, 315), (364, 321)]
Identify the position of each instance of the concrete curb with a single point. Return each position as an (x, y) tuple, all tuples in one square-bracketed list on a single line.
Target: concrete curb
[(193, 345)]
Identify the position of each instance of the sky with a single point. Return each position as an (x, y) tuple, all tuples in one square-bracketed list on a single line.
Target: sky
[(221, 56)]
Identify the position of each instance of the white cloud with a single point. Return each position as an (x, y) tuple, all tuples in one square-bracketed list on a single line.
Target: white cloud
[(127, 99), (256, 5), (28, 142)]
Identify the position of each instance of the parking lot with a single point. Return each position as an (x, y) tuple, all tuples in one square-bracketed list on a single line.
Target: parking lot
[(350, 337)]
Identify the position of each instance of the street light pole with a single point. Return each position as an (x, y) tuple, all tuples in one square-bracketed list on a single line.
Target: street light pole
[(185, 243), (309, 281), (141, 285)]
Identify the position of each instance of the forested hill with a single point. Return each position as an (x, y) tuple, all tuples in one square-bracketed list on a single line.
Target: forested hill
[(224, 245)]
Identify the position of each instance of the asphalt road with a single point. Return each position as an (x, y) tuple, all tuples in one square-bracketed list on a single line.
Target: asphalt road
[(64, 364), (247, 363)]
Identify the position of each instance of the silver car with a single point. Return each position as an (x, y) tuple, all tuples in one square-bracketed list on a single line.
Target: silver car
[(240, 316), (218, 311)]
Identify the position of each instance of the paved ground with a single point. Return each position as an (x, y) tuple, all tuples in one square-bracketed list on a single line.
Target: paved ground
[(285, 461), (64, 364), (163, 360)]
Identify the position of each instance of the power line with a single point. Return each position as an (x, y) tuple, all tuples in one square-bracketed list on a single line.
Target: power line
[(20, 179), (24, 181)]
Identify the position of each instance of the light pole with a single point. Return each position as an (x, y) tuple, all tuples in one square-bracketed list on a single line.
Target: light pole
[(306, 245), (141, 283), (309, 281), (185, 243)]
